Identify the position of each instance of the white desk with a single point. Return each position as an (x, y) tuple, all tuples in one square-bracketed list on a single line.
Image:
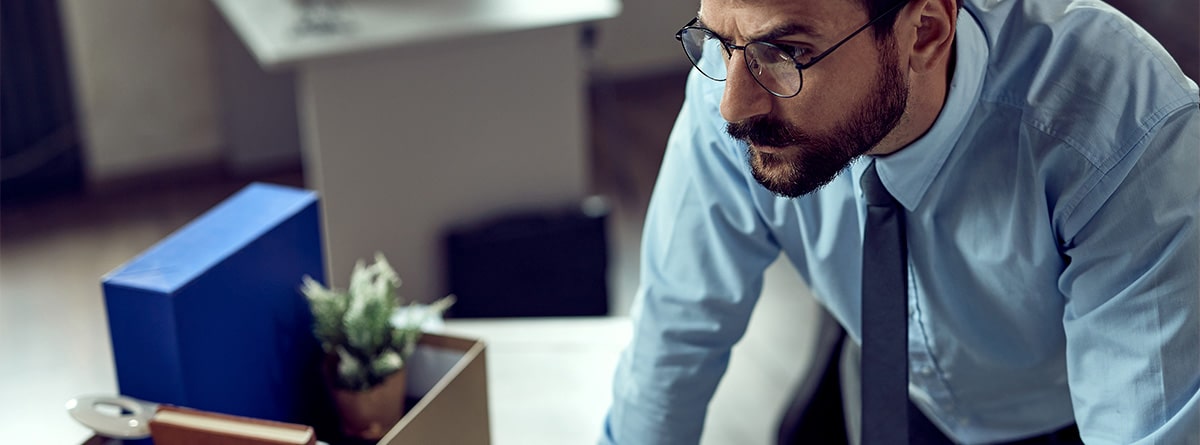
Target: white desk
[(424, 113), (549, 380)]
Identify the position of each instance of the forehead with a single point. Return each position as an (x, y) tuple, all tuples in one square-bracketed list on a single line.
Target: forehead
[(748, 19)]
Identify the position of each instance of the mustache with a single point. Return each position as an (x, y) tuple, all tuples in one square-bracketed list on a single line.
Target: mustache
[(765, 131)]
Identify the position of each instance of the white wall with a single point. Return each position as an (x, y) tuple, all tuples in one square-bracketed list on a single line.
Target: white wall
[(148, 82), (258, 108), (144, 84)]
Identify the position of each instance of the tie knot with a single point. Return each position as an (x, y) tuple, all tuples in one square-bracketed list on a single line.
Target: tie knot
[(873, 189)]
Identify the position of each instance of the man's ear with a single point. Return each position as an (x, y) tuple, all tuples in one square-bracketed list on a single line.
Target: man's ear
[(935, 22)]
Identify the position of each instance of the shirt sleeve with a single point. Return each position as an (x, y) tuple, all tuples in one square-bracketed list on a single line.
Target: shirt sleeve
[(704, 250), (1133, 298)]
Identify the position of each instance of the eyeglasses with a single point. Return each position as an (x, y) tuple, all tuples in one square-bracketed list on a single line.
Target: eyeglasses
[(773, 66)]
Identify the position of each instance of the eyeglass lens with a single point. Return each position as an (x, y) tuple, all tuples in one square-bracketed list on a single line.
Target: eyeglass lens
[(773, 68)]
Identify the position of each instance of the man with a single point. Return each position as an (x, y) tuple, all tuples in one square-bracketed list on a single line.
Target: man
[(1043, 161)]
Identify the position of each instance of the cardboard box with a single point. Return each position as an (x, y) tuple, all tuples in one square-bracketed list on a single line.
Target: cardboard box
[(449, 374), (447, 377)]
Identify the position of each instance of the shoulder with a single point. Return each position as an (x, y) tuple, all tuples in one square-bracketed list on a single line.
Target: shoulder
[(1081, 73)]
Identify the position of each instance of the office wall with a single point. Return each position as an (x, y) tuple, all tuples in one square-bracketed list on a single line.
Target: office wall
[(149, 96), (143, 76), (148, 77)]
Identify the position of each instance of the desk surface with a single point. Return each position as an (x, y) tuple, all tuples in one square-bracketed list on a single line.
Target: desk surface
[(271, 28), (549, 380)]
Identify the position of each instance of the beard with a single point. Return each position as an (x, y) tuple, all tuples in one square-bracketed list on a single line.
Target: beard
[(812, 160)]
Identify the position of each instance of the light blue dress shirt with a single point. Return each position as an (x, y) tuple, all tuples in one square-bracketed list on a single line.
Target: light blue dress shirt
[(1054, 243)]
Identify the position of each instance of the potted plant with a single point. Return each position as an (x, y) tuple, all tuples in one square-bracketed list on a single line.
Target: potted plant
[(365, 350)]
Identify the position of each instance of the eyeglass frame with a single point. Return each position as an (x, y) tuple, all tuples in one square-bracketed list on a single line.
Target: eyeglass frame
[(730, 47)]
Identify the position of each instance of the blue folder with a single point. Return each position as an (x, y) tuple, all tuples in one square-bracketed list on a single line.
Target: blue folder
[(212, 318)]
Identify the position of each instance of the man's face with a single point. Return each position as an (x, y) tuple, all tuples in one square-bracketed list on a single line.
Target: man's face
[(848, 103)]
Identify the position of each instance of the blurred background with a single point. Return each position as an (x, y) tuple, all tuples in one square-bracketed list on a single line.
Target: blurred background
[(124, 119)]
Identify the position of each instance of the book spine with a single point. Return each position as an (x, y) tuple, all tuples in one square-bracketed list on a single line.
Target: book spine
[(145, 345)]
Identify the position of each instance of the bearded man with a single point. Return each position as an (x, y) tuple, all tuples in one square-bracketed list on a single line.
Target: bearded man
[(998, 202)]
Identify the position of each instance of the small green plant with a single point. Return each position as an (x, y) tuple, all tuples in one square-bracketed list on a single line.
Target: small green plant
[(356, 326)]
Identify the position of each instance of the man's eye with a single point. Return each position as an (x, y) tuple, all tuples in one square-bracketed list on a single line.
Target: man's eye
[(801, 54)]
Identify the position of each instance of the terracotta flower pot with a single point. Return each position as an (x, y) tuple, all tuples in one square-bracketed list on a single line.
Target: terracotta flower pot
[(369, 414)]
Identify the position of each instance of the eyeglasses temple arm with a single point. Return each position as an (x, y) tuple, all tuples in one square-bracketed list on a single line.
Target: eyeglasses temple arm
[(851, 36)]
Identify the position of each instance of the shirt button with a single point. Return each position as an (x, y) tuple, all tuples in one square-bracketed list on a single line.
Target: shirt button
[(925, 370)]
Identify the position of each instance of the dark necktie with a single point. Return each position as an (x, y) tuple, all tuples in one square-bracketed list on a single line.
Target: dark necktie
[(884, 317)]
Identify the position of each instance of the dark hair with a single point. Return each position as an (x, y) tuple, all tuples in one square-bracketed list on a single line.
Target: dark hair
[(884, 26)]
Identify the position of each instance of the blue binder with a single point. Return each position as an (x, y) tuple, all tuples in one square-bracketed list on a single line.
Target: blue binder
[(212, 318)]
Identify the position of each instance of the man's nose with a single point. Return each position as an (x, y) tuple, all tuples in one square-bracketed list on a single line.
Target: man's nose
[(744, 97)]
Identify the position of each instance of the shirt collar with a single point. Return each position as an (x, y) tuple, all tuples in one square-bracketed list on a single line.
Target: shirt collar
[(908, 173)]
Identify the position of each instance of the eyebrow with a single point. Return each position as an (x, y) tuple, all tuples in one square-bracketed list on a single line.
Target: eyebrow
[(787, 29), (784, 30)]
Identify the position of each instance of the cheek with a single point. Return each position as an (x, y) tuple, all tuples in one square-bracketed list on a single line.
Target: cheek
[(830, 96), (842, 80), (812, 111)]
